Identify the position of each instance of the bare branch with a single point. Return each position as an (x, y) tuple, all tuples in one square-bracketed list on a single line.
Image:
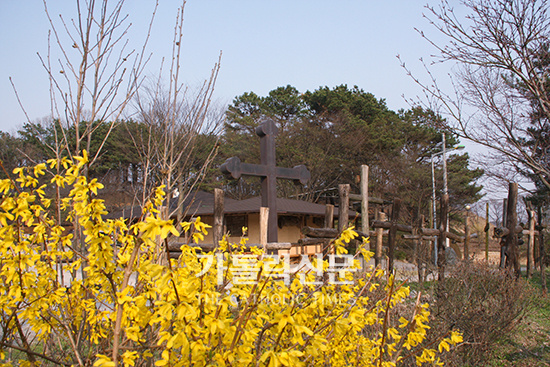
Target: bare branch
[(498, 80)]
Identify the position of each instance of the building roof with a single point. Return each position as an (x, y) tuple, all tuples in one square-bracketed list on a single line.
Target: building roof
[(284, 206), (202, 203), (196, 203)]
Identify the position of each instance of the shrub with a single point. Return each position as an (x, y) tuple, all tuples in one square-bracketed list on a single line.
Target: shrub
[(484, 303), (108, 294)]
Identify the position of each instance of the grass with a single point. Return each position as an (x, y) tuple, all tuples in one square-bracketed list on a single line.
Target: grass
[(530, 344)]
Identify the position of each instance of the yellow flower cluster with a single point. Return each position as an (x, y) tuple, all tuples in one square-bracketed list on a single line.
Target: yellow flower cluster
[(105, 292)]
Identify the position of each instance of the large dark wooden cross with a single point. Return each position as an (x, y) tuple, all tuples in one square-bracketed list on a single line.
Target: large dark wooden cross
[(269, 173)]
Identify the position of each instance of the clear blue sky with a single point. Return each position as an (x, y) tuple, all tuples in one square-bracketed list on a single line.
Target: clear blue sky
[(265, 44)]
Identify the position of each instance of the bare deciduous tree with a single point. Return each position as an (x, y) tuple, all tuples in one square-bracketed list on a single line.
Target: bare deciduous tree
[(95, 77), (91, 87), (498, 78), (176, 118)]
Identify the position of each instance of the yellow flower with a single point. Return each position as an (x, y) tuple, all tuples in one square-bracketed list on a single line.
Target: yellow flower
[(132, 290)]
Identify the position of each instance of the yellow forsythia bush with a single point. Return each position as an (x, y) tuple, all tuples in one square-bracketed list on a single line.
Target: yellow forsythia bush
[(105, 293)]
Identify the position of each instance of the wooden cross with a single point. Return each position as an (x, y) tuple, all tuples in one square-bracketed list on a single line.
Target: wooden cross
[(269, 173)]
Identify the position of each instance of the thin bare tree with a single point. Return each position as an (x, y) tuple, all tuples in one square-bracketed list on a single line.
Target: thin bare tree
[(93, 76), (96, 75), (176, 118), (498, 51)]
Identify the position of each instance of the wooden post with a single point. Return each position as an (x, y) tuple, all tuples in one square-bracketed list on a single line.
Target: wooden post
[(542, 265), (511, 222), (442, 239), (531, 243), (379, 240), (364, 208), (467, 236), (487, 230), (536, 252), (425, 249), (264, 218), (217, 233), (504, 211), (396, 207), (329, 216), (502, 243), (365, 198), (541, 252), (343, 209), (419, 249)]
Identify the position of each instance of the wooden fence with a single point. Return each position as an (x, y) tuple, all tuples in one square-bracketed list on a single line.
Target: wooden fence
[(381, 227)]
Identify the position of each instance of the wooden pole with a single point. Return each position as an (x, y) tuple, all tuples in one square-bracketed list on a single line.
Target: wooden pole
[(379, 240), (343, 209), (542, 264), (442, 239), (365, 198), (425, 247), (396, 207), (371, 200), (504, 211), (264, 218), (502, 244), (420, 251), (541, 253), (217, 233), (487, 227), (467, 236), (329, 216), (536, 249), (425, 231), (531, 244), (511, 221)]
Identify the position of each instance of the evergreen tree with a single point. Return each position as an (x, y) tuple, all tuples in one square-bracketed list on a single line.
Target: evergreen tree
[(333, 132)]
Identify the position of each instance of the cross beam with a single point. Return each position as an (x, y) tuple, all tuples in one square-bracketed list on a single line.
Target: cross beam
[(269, 173)]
